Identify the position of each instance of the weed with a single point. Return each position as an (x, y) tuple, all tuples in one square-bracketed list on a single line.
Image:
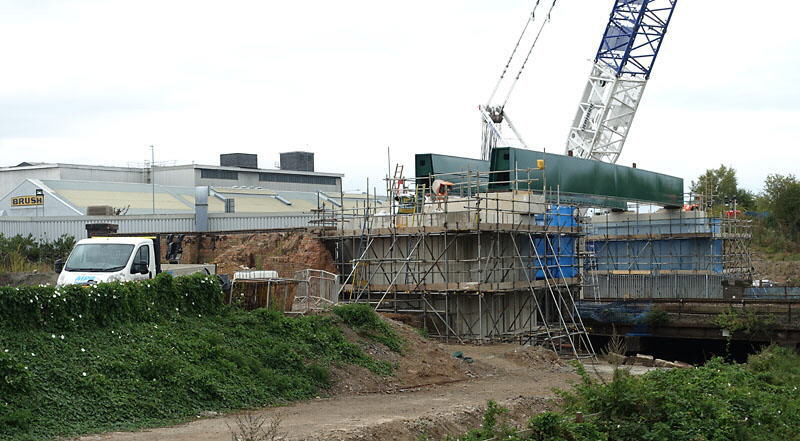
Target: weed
[(717, 401), (654, 317), (745, 321), (129, 374), (24, 253), (366, 322), (250, 427)]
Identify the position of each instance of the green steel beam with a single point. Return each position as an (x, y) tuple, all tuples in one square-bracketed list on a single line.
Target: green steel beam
[(608, 184), (430, 164)]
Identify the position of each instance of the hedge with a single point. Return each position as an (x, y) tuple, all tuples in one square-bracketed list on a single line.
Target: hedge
[(104, 304)]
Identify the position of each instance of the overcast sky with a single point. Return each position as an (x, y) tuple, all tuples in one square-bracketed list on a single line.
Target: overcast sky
[(99, 81)]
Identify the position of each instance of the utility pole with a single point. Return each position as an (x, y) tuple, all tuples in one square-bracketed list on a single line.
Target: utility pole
[(153, 175)]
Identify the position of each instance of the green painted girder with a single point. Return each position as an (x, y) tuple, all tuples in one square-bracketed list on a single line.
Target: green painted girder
[(441, 166), (611, 185)]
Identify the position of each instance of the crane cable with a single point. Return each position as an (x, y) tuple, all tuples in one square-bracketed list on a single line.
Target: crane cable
[(530, 51), (531, 18)]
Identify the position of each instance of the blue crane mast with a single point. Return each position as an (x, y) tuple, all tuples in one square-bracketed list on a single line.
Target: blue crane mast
[(622, 66)]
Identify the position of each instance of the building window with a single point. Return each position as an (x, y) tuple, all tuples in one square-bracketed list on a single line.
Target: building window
[(297, 179), (206, 173)]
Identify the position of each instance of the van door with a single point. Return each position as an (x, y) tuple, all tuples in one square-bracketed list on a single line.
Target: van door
[(142, 259)]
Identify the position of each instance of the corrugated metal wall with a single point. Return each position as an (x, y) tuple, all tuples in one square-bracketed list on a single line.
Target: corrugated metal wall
[(640, 286), (54, 227)]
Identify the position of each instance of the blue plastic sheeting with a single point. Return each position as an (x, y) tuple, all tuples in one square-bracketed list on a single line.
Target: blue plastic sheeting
[(623, 312), (676, 225), (695, 254), (558, 216), (557, 255)]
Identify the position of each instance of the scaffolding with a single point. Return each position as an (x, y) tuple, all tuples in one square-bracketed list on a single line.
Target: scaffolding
[(668, 253), (475, 265)]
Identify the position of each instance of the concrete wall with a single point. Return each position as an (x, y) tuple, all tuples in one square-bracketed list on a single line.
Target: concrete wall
[(489, 317), (495, 263)]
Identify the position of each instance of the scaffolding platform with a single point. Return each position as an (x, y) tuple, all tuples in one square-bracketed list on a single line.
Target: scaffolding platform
[(470, 265)]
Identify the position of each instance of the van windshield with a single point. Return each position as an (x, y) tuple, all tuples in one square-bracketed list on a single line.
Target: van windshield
[(99, 257)]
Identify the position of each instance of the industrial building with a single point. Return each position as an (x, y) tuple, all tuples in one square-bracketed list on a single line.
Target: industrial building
[(79, 198), (236, 185)]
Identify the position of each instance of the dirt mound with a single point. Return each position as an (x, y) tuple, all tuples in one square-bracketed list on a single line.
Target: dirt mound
[(284, 252), (422, 363), (780, 271), (31, 278), (453, 421), (531, 356)]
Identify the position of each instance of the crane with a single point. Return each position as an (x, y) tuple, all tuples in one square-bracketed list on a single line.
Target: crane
[(497, 128), (622, 66)]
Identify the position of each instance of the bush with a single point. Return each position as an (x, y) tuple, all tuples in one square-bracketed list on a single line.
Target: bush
[(104, 304), (368, 323), (20, 253), (715, 402), (134, 374), (654, 317), (744, 321)]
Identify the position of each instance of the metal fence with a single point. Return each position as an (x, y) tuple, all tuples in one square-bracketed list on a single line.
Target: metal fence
[(641, 286), (773, 292), (320, 290), (53, 227)]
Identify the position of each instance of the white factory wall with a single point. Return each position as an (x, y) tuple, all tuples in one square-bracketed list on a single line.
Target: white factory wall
[(53, 205), (178, 176), (71, 172), (12, 177), (53, 227)]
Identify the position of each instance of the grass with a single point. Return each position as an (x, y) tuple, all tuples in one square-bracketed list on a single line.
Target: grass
[(142, 374), (757, 401), (25, 254), (368, 324), (16, 262), (774, 245)]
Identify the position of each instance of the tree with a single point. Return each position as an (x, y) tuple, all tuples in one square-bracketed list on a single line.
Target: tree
[(745, 199), (781, 198), (720, 185)]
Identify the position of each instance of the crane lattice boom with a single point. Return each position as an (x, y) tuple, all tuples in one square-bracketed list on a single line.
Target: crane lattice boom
[(622, 66)]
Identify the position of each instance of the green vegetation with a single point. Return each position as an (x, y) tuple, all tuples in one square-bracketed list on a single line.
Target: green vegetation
[(758, 401), (781, 228), (19, 254), (776, 231), (492, 427), (74, 306), (366, 322), (141, 362), (721, 186), (744, 321), (654, 317)]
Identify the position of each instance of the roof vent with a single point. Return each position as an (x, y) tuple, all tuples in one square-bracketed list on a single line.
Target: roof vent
[(243, 160), (297, 161)]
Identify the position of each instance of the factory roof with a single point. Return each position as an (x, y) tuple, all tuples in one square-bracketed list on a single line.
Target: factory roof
[(133, 198), (39, 165)]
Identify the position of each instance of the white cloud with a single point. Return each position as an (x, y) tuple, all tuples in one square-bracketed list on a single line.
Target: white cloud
[(99, 81)]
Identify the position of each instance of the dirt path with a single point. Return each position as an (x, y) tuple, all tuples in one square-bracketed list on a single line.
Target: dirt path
[(521, 381)]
